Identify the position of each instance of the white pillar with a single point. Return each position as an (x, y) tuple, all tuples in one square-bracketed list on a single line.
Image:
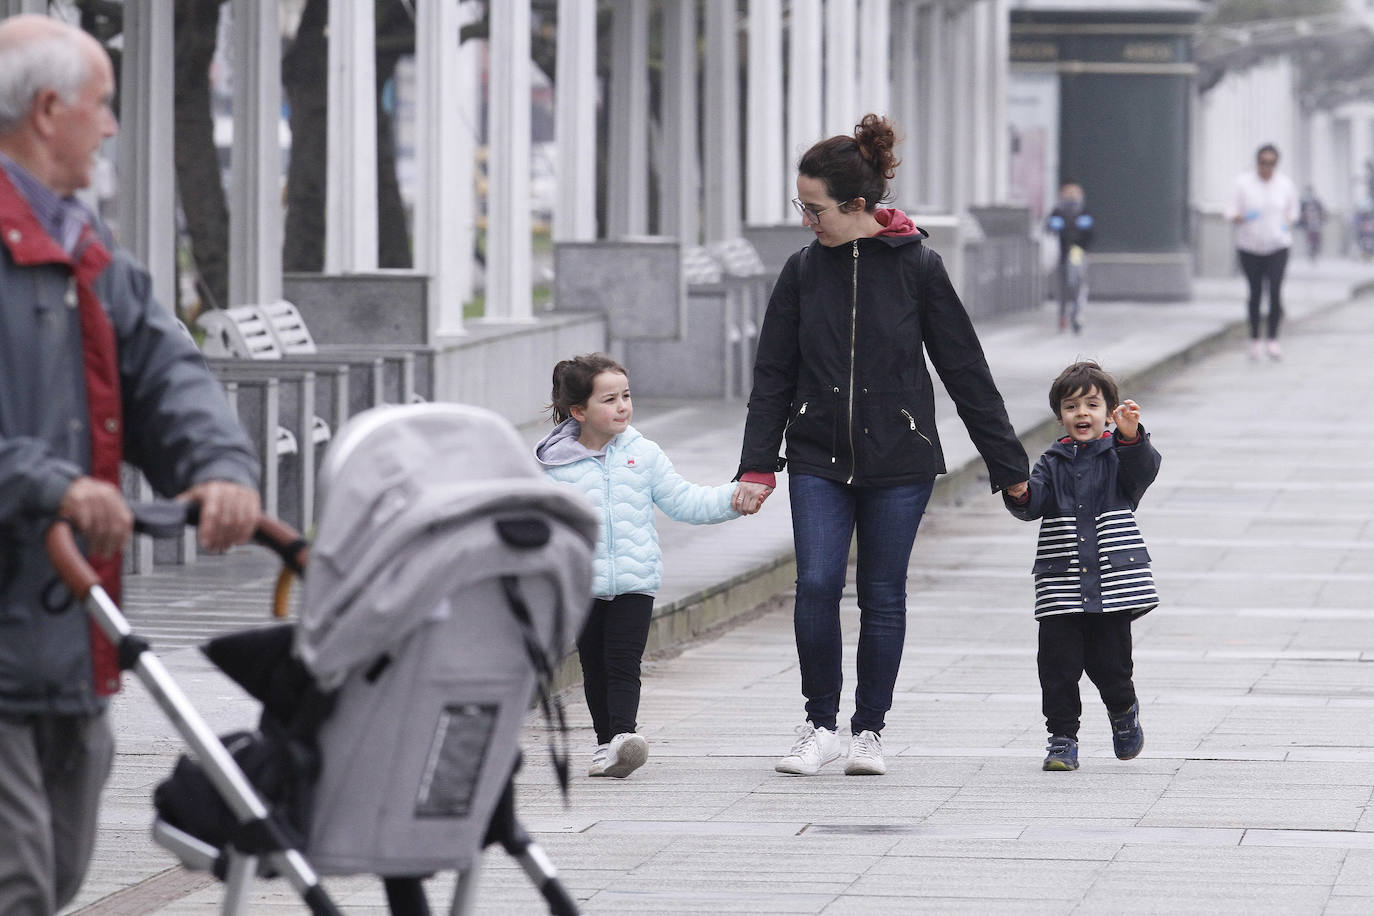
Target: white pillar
[(875, 53), (575, 91), (841, 85), (805, 103), (255, 208), (766, 180), (720, 147), (508, 164), (351, 164), (146, 193), (958, 57), (905, 104), (937, 87), (627, 190), (447, 81), (680, 179), (1001, 85), (16, 7), (978, 35)]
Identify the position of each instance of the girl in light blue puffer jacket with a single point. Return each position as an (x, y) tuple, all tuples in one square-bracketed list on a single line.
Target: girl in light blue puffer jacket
[(595, 449)]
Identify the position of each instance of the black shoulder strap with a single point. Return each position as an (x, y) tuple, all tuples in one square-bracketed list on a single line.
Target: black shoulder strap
[(914, 274)]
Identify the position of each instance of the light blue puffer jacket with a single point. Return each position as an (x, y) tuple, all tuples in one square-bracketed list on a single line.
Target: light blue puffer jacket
[(624, 487)]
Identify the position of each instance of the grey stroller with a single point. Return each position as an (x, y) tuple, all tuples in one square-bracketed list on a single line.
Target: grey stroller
[(446, 579)]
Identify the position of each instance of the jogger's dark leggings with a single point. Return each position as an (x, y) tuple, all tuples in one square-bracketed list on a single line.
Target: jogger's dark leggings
[(610, 648), (1260, 269)]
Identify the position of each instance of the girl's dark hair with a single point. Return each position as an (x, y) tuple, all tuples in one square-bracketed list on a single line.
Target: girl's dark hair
[(1082, 377), (860, 165), (574, 379)]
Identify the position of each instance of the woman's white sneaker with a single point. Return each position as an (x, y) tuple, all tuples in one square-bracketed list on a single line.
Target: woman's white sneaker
[(865, 755), (814, 748)]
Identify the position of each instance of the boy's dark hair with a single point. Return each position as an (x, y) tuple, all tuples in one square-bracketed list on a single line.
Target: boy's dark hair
[(1083, 376), (574, 379)]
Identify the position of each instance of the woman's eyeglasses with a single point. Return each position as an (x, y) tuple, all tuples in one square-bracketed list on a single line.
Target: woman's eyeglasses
[(809, 213)]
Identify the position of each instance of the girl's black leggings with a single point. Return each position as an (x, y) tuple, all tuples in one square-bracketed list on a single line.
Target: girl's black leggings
[(610, 648)]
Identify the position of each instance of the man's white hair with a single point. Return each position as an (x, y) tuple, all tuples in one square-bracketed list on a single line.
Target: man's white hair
[(54, 61)]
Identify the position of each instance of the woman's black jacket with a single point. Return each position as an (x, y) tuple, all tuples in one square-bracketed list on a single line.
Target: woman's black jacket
[(841, 373)]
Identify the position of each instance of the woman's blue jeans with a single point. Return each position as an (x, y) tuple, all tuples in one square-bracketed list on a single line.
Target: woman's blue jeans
[(825, 516)]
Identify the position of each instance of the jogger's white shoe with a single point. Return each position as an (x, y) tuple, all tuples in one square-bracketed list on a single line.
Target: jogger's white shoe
[(814, 748), (865, 755)]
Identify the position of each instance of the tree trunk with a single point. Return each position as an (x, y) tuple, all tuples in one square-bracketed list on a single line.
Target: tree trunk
[(305, 77), (195, 25)]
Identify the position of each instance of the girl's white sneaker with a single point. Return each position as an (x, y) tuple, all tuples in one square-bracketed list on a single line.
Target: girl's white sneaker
[(624, 754)]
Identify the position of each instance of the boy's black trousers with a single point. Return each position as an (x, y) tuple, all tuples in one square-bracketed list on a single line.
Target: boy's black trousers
[(1071, 644)]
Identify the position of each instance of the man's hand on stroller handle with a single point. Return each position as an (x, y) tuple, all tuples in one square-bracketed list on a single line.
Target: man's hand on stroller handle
[(97, 510), (229, 513)]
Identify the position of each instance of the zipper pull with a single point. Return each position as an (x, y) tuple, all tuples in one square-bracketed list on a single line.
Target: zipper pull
[(856, 249), (803, 408)]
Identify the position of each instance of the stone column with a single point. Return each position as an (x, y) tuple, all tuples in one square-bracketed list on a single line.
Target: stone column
[(680, 174), (905, 105), (446, 77), (627, 187), (255, 208), (981, 86), (508, 164), (1000, 28), (146, 195), (720, 134), (575, 92), (351, 165), (147, 204), (806, 65), (841, 85), (766, 179), (875, 55), (10, 8)]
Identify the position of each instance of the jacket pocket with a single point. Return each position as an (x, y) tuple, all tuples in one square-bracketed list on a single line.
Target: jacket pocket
[(894, 442), (1052, 566), (1126, 559), (810, 433)]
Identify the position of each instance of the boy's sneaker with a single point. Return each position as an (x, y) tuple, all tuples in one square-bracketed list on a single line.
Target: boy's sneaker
[(1063, 754), (814, 748), (865, 755), (1127, 735)]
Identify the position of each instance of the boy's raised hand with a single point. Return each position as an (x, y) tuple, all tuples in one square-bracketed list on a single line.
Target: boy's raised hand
[(1127, 418)]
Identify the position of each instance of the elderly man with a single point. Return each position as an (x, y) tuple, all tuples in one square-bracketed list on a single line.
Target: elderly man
[(92, 371)]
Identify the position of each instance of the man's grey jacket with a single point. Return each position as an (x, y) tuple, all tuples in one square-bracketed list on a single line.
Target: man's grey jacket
[(177, 429)]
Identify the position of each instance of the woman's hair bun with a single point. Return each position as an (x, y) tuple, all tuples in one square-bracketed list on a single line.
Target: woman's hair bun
[(876, 138)]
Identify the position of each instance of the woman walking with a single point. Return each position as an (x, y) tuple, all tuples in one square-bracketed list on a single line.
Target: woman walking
[(1264, 208), (841, 374)]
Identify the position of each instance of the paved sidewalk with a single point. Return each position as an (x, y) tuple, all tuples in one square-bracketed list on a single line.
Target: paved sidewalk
[(1252, 791)]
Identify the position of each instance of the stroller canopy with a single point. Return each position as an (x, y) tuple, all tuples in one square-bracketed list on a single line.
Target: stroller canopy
[(405, 497)]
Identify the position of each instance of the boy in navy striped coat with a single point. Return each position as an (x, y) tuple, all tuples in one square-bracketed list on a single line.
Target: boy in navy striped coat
[(1092, 571)]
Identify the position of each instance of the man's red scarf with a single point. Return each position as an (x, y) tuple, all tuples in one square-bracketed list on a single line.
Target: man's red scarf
[(30, 244)]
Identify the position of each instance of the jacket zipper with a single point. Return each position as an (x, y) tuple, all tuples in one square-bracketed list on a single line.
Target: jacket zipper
[(610, 539), (914, 428), (853, 335)]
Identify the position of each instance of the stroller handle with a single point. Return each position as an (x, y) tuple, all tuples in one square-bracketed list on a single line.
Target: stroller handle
[(163, 520)]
